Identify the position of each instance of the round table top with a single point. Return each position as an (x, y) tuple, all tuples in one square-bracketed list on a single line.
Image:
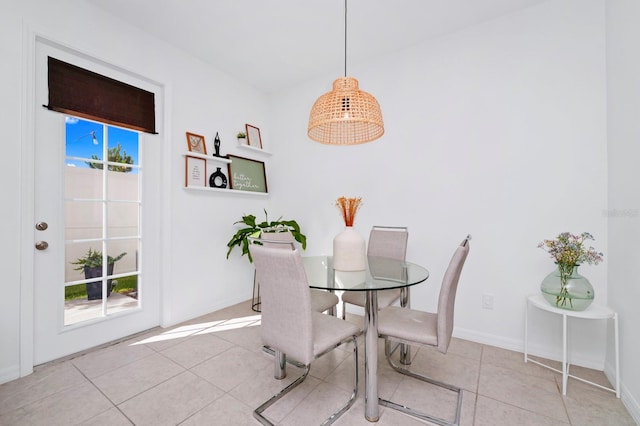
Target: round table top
[(594, 311), (381, 274)]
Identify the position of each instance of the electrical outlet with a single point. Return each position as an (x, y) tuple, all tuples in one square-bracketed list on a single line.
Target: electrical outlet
[(487, 301)]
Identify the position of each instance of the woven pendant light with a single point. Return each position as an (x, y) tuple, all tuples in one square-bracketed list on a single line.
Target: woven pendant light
[(346, 115)]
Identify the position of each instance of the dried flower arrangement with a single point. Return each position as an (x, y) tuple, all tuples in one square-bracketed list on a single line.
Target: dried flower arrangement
[(348, 208)]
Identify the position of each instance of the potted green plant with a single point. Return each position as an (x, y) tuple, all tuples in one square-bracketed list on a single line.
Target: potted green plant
[(242, 137), (91, 264), (253, 229)]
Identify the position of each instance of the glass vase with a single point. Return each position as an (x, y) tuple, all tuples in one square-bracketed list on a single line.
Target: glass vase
[(565, 288)]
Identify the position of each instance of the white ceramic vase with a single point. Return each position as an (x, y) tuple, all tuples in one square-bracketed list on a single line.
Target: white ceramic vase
[(349, 252)]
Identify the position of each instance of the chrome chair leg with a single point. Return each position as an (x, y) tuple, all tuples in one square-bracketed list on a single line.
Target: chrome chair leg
[(405, 353), (280, 371), (354, 394), (257, 413), (424, 416), (293, 362)]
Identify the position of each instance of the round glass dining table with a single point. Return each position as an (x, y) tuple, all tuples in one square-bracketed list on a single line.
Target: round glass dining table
[(380, 274)]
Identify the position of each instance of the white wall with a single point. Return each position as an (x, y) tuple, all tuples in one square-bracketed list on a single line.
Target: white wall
[(10, 29), (196, 276), (623, 87), (499, 131)]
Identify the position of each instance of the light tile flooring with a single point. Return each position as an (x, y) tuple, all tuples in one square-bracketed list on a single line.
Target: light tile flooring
[(211, 371)]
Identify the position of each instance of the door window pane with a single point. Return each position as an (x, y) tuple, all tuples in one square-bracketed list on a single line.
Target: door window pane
[(83, 141), (102, 220)]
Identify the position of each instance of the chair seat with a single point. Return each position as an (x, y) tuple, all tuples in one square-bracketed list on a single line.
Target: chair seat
[(328, 329), (408, 326), (385, 297), (322, 300)]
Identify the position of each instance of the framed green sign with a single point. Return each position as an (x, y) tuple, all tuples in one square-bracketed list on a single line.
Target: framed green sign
[(246, 174)]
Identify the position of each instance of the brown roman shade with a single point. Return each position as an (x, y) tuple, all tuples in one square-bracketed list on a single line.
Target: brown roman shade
[(77, 91)]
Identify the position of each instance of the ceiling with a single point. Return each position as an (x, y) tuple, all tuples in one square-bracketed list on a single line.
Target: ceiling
[(274, 44)]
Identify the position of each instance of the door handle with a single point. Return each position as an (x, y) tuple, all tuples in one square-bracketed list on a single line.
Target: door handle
[(42, 245)]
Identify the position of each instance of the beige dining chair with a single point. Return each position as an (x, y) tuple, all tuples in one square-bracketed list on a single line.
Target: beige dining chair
[(384, 241), (321, 300), (410, 326), (289, 324)]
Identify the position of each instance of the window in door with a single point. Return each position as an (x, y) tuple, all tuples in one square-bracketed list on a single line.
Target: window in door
[(102, 210)]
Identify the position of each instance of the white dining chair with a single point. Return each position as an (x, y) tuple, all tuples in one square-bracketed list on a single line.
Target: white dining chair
[(384, 241), (321, 300), (413, 327), (290, 326)]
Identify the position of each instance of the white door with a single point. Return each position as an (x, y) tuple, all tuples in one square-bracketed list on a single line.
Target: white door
[(91, 198)]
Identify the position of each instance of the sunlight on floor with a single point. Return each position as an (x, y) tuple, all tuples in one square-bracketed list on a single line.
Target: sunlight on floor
[(203, 328)]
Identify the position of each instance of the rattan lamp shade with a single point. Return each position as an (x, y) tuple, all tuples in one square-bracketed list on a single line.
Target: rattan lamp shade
[(345, 116)]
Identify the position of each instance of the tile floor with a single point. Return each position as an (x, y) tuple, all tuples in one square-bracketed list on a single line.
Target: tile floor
[(212, 371)]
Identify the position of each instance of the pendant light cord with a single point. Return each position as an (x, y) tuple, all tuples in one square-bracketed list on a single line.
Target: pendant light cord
[(345, 38)]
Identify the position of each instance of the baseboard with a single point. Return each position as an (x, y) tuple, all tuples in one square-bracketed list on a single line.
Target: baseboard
[(517, 345), (10, 373), (488, 339), (630, 403)]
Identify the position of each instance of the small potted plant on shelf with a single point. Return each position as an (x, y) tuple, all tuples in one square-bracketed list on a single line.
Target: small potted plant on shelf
[(242, 138), (252, 229), (91, 264)]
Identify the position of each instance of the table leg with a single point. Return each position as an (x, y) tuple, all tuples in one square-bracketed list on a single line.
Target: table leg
[(564, 355), (371, 411), (332, 310), (331, 281), (526, 331), (405, 350), (617, 347)]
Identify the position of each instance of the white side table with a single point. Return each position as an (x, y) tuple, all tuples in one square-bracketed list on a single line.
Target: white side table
[(593, 312)]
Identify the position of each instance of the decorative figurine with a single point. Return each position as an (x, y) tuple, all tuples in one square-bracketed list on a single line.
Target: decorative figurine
[(216, 145), (218, 179)]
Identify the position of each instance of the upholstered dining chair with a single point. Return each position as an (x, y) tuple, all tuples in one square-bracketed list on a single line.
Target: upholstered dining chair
[(321, 300), (384, 241), (289, 324), (410, 326)]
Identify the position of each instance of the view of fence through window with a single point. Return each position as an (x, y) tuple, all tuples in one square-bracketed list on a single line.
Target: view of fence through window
[(102, 220)]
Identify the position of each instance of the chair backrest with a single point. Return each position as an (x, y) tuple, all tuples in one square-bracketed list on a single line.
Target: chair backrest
[(388, 241), (278, 236), (286, 300), (447, 298)]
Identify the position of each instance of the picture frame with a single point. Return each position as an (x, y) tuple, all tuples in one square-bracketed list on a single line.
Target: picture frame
[(196, 143), (246, 174), (195, 174), (253, 136)]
